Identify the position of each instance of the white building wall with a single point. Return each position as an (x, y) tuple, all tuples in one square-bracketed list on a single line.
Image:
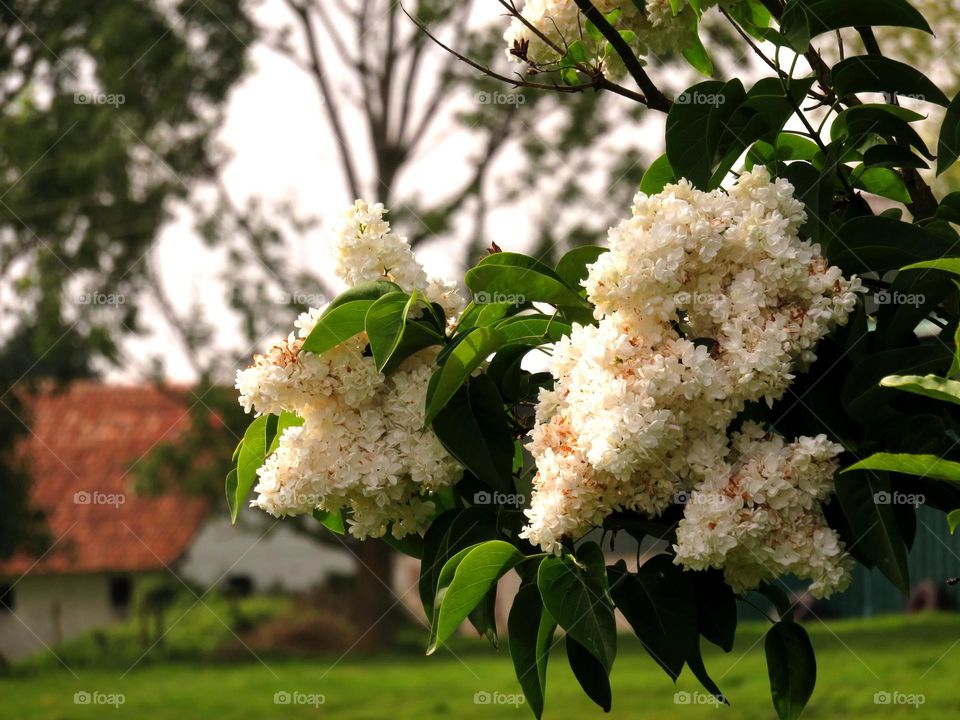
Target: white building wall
[(51, 609), (273, 557)]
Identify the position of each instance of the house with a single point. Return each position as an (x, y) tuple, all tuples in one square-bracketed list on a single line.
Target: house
[(106, 541)]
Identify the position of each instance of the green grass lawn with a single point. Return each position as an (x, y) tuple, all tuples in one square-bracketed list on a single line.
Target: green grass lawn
[(917, 655)]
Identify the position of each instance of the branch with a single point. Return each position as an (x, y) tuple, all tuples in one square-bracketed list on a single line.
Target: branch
[(656, 100), (597, 82), (329, 102)]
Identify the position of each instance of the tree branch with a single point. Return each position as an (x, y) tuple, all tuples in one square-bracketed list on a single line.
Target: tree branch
[(656, 100)]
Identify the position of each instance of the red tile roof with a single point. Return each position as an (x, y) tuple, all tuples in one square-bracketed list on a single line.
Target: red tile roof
[(83, 444)]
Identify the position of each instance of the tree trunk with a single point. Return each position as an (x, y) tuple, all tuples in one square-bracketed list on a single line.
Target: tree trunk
[(375, 607)]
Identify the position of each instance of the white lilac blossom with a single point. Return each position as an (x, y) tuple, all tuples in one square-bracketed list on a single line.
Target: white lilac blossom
[(758, 515), (655, 29), (705, 302), (367, 250), (361, 445)]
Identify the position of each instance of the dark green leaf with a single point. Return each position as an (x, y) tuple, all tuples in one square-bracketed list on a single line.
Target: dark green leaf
[(948, 147), (827, 15), (659, 602), (475, 429), (471, 350), (590, 673), (874, 527), (875, 73), (531, 630), (575, 594), (893, 156), (793, 668)]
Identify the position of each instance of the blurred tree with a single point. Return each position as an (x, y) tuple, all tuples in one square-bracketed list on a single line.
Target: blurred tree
[(105, 113)]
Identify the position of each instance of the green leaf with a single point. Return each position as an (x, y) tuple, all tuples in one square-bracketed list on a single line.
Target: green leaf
[(875, 73), (881, 181), (688, 150), (256, 440), (950, 265), (576, 53), (953, 520), (948, 147), (286, 420), (657, 176), (468, 354), (475, 429), (928, 466), (533, 330), (393, 338), (874, 526), (518, 276), (792, 666), (230, 486), (696, 54), (476, 574), (827, 15), (448, 534), (364, 291), (590, 673), (788, 147), (332, 520), (531, 630), (659, 602), (931, 386), (337, 325), (575, 594), (572, 267)]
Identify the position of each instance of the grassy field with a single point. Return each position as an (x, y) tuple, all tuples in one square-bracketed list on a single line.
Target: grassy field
[(857, 659)]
